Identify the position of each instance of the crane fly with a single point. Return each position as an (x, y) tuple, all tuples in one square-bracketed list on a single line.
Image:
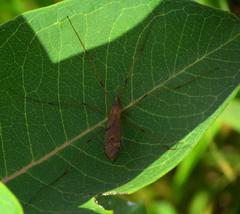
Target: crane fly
[(113, 135), (112, 140)]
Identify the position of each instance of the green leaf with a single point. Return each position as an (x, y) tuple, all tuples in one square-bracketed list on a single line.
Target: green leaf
[(222, 4), (92, 205), (231, 116), (8, 203), (200, 203), (161, 207), (119, 206), (180, 61)]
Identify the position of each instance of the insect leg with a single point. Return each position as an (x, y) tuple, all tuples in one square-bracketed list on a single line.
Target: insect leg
[(161, 89), (90, 60), (91, 63), (129, 121), (33, 198), (62, 104)]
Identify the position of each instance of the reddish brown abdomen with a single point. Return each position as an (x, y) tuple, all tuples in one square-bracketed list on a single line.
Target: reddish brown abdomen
[(112, 141)]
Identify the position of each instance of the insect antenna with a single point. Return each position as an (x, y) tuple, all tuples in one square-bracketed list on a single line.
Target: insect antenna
[(89, 58)]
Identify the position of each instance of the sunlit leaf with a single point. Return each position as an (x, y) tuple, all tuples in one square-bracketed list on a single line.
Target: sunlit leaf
[(8, 203)]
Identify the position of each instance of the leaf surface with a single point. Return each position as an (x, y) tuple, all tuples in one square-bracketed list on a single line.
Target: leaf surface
[(180, 61)]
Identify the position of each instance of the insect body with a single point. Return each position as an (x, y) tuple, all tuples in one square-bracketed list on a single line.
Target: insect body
[(112, 141)]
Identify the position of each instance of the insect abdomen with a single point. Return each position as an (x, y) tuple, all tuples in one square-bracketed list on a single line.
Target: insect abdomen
[(113, 132)]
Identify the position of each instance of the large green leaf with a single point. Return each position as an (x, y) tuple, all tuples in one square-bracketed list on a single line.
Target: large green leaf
[(181, 61)]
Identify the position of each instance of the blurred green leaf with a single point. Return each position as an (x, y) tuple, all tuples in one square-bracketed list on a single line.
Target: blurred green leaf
[(221, 4), (8, 203), (11, 8), (182, 61), (185, 168), (200, 203), (231, 116), (162, 207)]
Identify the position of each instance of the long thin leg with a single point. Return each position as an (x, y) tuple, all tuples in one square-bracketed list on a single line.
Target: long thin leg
[(90, 60), (46, 186), (62, 104), (88, 57), (136, 58), (132, 123), (163, 88), (59, 177)]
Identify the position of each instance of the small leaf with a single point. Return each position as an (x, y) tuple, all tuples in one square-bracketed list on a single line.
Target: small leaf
[(8, 203), (93, 206)]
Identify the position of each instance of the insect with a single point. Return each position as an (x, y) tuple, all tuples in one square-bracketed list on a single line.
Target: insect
[(112, 140)]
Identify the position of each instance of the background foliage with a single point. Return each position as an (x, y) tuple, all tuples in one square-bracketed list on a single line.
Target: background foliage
[(209, 178)]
